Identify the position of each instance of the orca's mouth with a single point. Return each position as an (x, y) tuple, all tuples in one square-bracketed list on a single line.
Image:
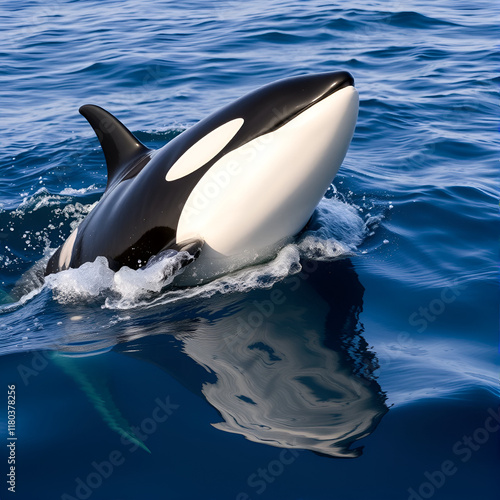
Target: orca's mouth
[(341, 80), (324, 85)]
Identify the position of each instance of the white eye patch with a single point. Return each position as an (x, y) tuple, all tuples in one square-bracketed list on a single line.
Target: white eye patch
[(204, 150)]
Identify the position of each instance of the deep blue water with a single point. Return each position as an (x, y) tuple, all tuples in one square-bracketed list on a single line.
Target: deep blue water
[(361, 363)]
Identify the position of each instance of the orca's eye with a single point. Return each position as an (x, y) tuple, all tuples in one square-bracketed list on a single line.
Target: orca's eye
[(204, 150)]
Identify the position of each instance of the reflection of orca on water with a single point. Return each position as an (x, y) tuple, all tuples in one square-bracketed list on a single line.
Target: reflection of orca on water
[(286, 367)]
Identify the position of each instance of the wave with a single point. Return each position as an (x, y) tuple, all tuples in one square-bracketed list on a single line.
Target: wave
[(335, 231)]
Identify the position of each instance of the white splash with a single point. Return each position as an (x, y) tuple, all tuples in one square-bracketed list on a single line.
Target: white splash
[(78, 192), (335, 231)]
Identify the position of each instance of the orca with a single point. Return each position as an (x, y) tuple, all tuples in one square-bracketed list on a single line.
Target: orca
[(227, 192)]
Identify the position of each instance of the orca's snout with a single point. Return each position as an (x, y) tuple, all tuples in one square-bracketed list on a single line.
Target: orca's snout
[(335, 81), (288, 98), (314, 88)]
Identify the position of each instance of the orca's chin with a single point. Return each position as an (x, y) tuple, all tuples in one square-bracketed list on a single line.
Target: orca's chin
[(212, 265)]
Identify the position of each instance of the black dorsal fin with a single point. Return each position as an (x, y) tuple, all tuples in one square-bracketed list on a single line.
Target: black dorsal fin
[(120, 147)]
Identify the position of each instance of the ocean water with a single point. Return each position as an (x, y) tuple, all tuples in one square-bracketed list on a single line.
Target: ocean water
[(360, 363)]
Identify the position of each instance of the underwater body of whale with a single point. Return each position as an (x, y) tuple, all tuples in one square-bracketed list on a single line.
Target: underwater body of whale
[(230, 190)]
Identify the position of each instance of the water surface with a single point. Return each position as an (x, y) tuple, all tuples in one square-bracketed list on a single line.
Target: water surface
[(360, 363)]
